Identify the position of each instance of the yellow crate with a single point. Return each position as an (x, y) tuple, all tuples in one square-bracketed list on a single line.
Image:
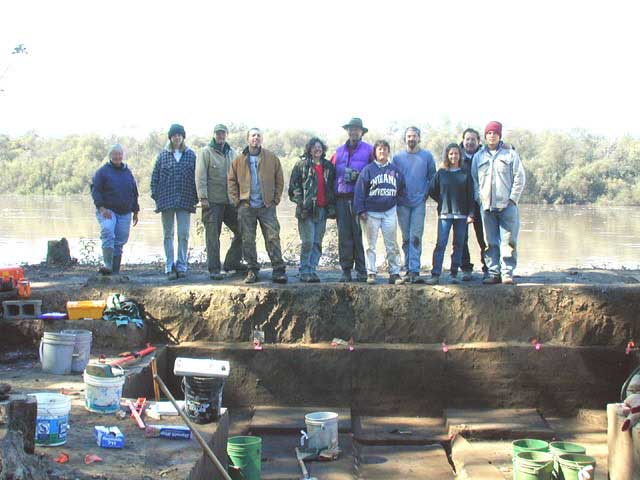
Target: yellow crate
[(86, 309)]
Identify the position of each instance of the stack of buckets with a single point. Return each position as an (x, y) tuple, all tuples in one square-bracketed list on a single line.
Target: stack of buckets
[(65, 352), (538, 460)]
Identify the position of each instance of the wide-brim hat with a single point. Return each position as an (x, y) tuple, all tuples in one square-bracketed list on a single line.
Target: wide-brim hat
[(355, 122)]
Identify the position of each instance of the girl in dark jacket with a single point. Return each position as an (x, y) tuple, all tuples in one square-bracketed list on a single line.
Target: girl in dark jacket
[(452, 188), (311, 188)]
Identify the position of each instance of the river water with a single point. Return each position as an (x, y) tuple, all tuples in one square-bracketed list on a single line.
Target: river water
[(551, 237)]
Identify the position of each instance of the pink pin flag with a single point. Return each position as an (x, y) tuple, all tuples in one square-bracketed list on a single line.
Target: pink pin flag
[(445, 347)]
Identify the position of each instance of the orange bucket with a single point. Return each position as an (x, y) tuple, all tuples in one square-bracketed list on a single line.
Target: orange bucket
[(24, 288)]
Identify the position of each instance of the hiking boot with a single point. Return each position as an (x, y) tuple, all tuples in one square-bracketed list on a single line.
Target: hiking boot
[(508, 280), (491, 280), (395, 279), (252, 276), (371, 278), (362, 277), (304, 277), (467, 276), (104, 271), (346, 276), (314, 278), (216, 276), (181, 274), (434, 280), (279, 277)]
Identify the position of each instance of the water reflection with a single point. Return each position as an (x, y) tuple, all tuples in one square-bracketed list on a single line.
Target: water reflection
[(551, 237)]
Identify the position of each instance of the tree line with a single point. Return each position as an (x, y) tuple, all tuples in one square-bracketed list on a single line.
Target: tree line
[(562, 167)]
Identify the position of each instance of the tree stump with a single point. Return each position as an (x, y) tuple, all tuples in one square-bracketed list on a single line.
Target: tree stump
[(15, 464), (20, 413), (58, 252)]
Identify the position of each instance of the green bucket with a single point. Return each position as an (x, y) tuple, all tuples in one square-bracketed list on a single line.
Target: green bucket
[(560, 448), (245, 454), (533, 466), (527, 445), (569, 464)]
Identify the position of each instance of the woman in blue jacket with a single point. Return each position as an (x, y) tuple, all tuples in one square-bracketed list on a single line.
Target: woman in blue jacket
[(452, 188), (115, 195)]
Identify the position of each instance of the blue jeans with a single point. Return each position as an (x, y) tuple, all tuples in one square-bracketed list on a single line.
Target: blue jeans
[(411, 221), (114, 231), (501, 229), (459, 234), (184, 220), (311, 235)]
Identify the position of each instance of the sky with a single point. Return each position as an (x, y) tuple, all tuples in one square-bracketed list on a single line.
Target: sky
[(131, 67)]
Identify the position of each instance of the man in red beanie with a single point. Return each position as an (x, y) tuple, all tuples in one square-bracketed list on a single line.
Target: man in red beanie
[(499, 179)]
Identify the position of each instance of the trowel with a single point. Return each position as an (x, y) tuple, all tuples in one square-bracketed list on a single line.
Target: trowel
[(301, 455)]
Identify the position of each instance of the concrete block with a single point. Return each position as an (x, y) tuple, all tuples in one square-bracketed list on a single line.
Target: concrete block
[(504, 423), (21, 309), (399, 430), (269, 419)]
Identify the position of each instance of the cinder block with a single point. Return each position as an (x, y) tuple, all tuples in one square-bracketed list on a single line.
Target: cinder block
[(21, 309)]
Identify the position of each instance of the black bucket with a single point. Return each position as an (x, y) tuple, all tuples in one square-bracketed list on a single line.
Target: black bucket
[(202, 398)]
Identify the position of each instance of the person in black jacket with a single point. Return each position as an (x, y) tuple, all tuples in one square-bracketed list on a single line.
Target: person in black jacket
[(452, 188), (115, 195)]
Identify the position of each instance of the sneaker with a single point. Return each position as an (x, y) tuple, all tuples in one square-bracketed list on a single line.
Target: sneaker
[(454, 280), (279, 277), (467, 276), (252, 276), (395, 279), (216, 276), (304, 277), (508, 280), (416, 278), (346, 276), (371, 278), (173, 275), (434, 280), (314, 278), (181, 274), (362, 277), (491, 280)]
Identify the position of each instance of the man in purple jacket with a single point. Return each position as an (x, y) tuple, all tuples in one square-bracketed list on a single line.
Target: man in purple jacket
[(349, 160)]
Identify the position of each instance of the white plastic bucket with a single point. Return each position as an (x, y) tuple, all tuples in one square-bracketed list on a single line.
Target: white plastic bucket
[(102, 394), (81, 349), (322, 429), (56, 352), (52, 420)]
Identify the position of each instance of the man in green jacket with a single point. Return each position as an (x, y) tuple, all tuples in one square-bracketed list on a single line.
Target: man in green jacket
[(255, 183), (212, 168)]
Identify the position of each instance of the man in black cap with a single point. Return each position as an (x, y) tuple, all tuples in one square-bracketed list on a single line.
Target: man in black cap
[(349, 160), (212, 168)]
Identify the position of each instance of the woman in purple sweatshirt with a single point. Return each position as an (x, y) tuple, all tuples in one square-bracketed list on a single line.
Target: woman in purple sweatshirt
[(376, 196)]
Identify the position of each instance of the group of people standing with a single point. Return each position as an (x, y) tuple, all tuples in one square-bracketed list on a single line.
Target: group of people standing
[(360, 186)]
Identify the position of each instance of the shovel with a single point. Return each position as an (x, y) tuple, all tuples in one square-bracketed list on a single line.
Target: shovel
[(301, 456)]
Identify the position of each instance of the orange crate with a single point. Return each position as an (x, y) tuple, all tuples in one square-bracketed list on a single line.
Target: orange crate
[(86, 309)]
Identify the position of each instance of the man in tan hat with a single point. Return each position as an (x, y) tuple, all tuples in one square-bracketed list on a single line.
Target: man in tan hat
[(212, 168), (349, 160)]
